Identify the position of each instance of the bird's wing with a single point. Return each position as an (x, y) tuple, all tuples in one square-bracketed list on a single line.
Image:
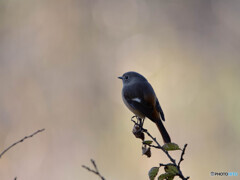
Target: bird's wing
[(159, 109), (141, 98)]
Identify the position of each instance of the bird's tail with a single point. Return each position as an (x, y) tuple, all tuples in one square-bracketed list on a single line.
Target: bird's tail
[(163, 131)]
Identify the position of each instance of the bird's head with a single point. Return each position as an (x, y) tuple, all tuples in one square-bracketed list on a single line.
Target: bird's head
[(130, 77)]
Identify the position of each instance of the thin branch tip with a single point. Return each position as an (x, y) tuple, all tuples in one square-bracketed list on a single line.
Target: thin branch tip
[(21, 140), (94, 171), (182, 154)]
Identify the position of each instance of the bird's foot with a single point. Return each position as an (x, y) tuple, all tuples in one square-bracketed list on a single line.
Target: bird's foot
[(132, 119), (141, 122)]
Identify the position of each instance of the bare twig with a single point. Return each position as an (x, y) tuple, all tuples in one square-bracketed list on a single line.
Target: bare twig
[(94, 171), (21, 140), (166, 152), (164, 164), (183, 152)]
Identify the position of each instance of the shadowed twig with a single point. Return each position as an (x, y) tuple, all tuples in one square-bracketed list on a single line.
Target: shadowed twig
[(94, 171), (166, 152), (21, 140), (183, 152)]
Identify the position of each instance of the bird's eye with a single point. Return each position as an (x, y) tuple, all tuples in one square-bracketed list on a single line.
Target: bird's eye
[(126, 77)]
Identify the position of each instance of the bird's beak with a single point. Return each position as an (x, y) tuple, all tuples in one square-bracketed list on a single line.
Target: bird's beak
[(120, 77)]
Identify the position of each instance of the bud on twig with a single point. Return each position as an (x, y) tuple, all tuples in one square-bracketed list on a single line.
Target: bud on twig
[(137, 131), (146, 151)]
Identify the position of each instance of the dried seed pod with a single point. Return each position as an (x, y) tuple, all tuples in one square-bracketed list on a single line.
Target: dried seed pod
[(138, 132), (146, 151)]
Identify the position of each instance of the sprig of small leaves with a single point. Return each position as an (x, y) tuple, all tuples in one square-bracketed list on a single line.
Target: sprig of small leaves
[(171, 170)]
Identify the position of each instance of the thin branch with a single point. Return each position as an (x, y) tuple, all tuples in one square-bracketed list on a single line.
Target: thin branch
[(166, 152), (94, 171), (164, 165), (94, 164), (183, 152), (21, 140)]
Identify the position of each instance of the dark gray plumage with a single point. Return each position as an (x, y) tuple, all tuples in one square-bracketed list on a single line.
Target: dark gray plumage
[(139, 96)]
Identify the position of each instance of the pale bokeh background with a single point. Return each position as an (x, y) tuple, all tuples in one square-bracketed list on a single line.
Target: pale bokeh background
[(58, 66)]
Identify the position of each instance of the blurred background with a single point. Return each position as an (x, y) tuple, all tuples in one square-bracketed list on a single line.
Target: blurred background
[(59, 63)]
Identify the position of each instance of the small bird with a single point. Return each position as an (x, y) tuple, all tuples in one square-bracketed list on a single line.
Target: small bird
[(140, 98)]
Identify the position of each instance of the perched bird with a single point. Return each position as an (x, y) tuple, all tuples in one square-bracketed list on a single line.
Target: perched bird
[(140, 98)]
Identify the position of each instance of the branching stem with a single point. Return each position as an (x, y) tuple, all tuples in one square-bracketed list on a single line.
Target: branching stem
[(180, 174), (94, 171)]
